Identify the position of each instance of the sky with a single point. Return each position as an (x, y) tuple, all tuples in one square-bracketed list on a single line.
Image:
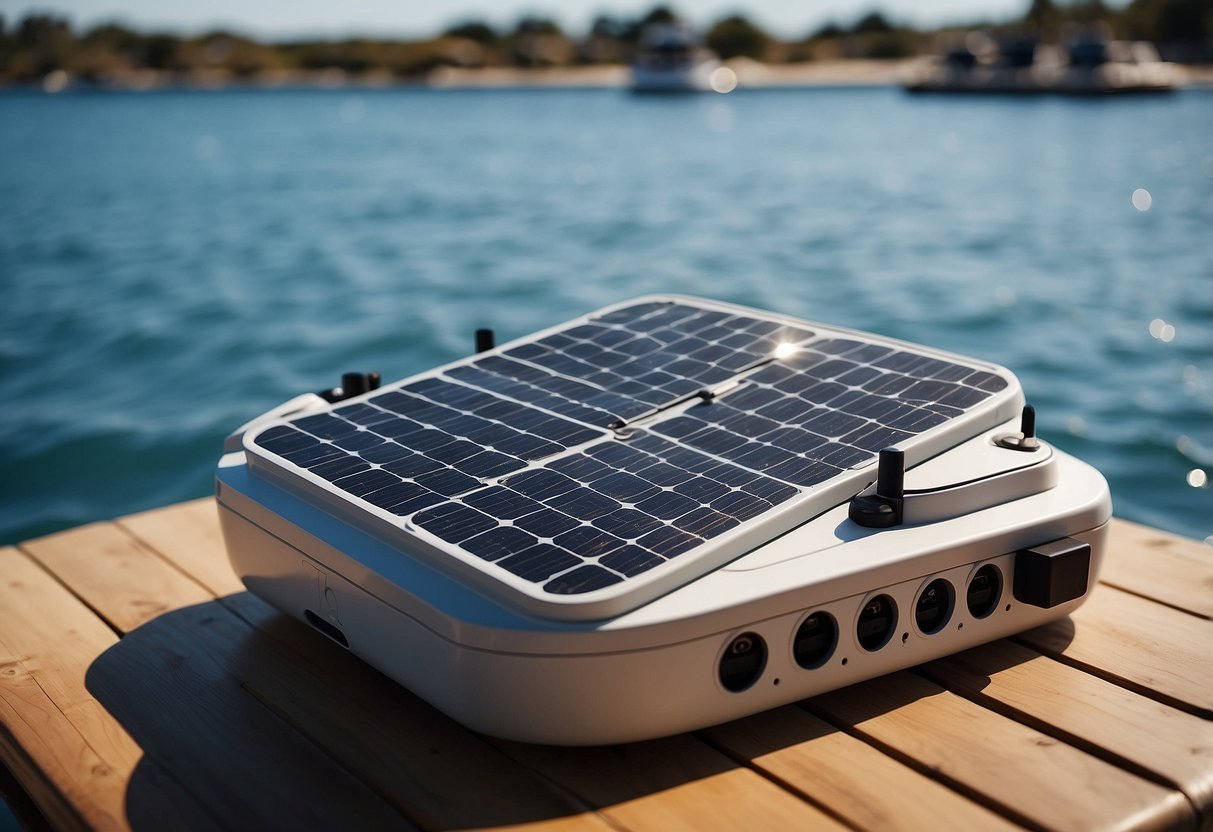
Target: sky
[(279, 19)]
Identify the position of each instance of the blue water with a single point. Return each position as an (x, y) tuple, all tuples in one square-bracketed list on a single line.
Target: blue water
[(172, 264)]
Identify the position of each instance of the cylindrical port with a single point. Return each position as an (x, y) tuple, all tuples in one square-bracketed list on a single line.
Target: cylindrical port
[(934, 607), (984, 591), (815, 640), (743, 661), (877, 620)]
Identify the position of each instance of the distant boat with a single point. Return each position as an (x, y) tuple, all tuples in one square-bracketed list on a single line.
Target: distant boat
[(1087, 65), (672, 58)]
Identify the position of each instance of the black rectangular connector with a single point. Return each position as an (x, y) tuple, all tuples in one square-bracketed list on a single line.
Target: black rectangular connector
[(1052, 573)]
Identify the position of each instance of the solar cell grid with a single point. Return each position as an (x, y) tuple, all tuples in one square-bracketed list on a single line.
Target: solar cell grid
[(509, 456)]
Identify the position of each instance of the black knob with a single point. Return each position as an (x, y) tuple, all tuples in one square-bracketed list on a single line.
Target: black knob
[(1025, 440), (883, 509), (353, 384), (485, 340)]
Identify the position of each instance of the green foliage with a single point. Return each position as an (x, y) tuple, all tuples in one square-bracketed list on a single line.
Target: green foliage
[(735, 36)]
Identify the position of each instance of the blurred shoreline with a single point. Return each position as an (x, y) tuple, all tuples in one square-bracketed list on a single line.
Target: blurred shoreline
[(750, 74)]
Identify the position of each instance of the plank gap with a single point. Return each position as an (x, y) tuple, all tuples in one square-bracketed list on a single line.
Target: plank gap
[(102, 617), (935, 774), (1128, 590), (1116, 679), (745, 762)]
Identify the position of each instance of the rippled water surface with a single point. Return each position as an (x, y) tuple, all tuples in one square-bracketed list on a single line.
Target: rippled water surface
[(173, 264)]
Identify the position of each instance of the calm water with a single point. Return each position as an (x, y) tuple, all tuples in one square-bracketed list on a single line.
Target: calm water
[(173, 264)]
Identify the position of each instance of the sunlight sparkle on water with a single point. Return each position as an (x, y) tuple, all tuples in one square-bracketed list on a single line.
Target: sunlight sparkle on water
[(723, 79), (1142, 200), (1162, 331), (1197, 478)]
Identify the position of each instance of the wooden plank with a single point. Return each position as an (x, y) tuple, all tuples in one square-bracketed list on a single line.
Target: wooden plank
[(1087, 711), (125, 582), (1153, 649), (418, 758), (1161, 566), (188, 535), (70, 755), (671, 784), (1026, 775), (850, 778), (170, 683)]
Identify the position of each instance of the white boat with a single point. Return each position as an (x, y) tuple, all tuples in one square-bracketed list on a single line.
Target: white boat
[(1088, 64), (671, 58)]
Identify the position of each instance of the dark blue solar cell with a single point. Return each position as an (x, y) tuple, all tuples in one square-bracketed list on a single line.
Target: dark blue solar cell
[(503, 503), (580, 467), (453, 522), (740, 505), (360, 441), (837, 346), (627, 523), (546, 522), (525, 351), (448, 482), (715, 441), (587, 541), (424, 499), (750, 425), (340, 467), (392, 496), (859, 376), (705, 522), (890, 384), (803, 472), (364, 482), (363, 414), (793, 440), (584, 503), (964, 397), (701, 489), (412, 466), (842, 456), (313, 455), (625, 487), (795, 384), (786, 409), (579, 581), (772, 491), (751, 398), (679, 426), (713, 375), (610, 337), (488, 464), (832, 423), (454, 451), (541, 484), (620, 456), (823, 392), (664, 474), (539, 562), (760, 457), (387, 452), (497, 543), (667, 505), (927, 391), (668, 542), (986, 381), (731, 475), (325, 425), (631, 560), (280, 439), (527, 447), (868, 353), (953, 372)]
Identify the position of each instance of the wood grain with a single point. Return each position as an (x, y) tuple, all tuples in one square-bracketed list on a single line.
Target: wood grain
[(1161, 566), (187, 535), (417, 758), (1153, 649), (1028, 775), (850, 778), (1087, 711), (72, 757), (126, 583), (678, 783)]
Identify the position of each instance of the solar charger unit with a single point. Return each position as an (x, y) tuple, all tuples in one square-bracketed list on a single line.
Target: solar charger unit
[(664, 515)]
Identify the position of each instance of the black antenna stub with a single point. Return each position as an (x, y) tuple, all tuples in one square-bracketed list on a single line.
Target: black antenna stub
[(1025, 440), (883, 509), (485, 340)]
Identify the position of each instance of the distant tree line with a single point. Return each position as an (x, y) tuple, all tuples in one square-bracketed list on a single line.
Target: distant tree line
[(40, 44)]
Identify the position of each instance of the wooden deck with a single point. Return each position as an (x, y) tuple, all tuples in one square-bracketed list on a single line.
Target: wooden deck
[(141, 686)]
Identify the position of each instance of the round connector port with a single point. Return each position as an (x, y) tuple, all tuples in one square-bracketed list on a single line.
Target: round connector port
[(876, 623), (934, 607), (815, 640), (743, 661), (984, 591)]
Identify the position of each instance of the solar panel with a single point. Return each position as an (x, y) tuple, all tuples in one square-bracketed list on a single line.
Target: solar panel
[(588, 469)]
